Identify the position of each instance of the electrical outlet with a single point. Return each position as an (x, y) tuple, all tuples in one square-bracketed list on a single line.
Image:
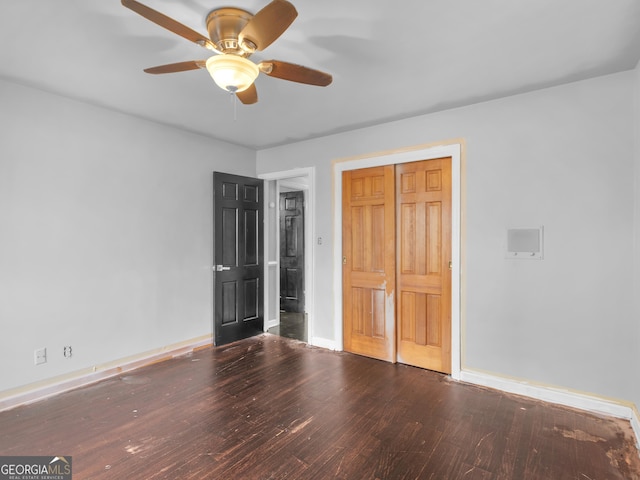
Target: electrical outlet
[(68, 351), (40, 356)]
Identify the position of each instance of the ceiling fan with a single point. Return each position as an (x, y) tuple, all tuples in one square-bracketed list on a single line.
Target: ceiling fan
[(234, 35)]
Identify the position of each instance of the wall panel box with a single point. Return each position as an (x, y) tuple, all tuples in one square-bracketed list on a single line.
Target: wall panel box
[(525, 243)]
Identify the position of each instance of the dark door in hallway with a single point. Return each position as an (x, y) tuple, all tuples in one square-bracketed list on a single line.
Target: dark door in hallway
[(238, 257), (292, 252)]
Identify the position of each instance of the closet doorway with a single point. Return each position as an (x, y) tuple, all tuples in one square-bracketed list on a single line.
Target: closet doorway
[(396, 223), (400, 262)]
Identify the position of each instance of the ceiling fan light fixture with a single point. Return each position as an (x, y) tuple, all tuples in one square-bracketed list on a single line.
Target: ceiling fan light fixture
[(232, 72)]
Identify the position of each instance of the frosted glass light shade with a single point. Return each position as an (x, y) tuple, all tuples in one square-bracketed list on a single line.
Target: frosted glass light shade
[(231, 72)]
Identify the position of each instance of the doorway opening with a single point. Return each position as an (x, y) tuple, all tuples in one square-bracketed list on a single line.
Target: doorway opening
[(289, 251)]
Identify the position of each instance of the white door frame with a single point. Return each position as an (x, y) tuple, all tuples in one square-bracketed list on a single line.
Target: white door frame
[(391, 158), (309, 235)]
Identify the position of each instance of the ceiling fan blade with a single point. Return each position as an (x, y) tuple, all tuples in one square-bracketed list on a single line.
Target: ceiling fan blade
[(248, 96), (268, 24), (295, 73), (169, 23), (177, 67)]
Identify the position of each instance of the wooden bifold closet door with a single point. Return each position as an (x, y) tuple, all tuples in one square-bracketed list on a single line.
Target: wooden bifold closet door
[(396, 265), (368, 264)]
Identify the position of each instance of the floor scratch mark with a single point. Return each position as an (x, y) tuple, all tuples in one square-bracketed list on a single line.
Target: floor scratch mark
[(482, 439), (297, 428)]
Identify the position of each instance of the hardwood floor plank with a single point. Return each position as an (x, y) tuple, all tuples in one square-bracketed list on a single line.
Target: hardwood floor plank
[(274, 408)]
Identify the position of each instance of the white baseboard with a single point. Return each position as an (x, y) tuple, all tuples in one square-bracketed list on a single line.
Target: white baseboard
[(635, 424), (41, 390), (324, 343), (557, 396)]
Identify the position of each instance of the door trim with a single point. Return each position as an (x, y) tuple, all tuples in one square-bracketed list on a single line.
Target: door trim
[(391, 158), (272, 293)]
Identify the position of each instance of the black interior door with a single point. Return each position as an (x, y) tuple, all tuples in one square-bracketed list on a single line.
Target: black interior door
[(238, 257), (292, 252)]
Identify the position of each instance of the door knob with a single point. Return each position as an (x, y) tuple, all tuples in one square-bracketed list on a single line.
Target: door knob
[(221, 268)]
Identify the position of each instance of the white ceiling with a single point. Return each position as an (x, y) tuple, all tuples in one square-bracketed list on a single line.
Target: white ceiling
[(389, 60)]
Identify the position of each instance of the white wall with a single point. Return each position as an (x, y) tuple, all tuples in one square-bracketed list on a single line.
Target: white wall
[(560, 157), (105, 233)]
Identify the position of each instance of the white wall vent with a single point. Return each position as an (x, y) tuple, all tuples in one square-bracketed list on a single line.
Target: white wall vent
[(524, 243)]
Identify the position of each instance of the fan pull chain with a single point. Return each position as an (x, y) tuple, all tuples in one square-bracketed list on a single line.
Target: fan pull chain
[(234, 101), (235, 107)]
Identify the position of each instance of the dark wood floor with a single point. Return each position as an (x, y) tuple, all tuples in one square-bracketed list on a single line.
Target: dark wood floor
[(274, 408)]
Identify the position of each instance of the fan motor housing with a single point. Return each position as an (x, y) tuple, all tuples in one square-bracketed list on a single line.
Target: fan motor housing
[(224, 26)]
